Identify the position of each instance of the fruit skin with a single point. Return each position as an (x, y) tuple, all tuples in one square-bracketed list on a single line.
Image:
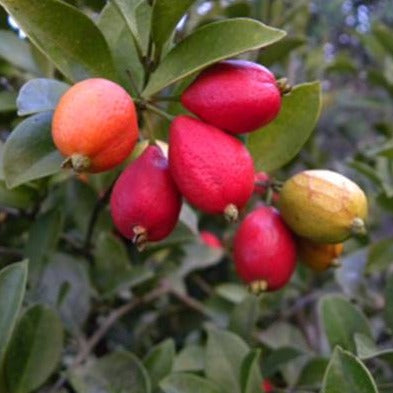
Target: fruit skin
[(267, 386), (261, 189), (96, 122), (237, 96), (264, 249), (140, 147), (323, 206), (318, 256), (145, 197), (210, 239), (213, 170)]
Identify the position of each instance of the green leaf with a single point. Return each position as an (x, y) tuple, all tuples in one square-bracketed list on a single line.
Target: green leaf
[(210, 44), (225, 353), (65, 271), (347, 374), (313, 372), (380, 256), (12, 290), (366, 348), (234, 293), (7, 101), (43, 237), (67, 36), (244, 317), (34, 350), (342, 320), (280, 50), (20, 198), (122, 46), (384, 36), (250, 375), (40, 95), (17, 52), (188, 383), (389, 302), (29, 152), (166, 15), (191, 358), (279, 357), (118, 372), (112, 270), (159, 361), (280, 141)]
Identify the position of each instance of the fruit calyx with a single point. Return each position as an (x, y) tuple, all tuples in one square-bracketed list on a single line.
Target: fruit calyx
[(140, 238), (77, 162), (284, 86), (258, 287), (358, 227), (231, 213)]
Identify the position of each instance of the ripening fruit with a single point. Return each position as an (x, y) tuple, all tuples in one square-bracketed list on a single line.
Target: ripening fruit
[(145, 203), (267, 386), (319, 256), (140, 147), (237, 96), (213, 170), (210, 239), (95, 125), (323, 206), (264, 250)]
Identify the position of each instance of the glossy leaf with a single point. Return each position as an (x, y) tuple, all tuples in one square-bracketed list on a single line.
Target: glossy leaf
[(188, 383), (380, 256), (20, 198), (279, 358), (159, 361), (313, 372), (166, 15), (347, 374), (225, 353), (280, 141), (43, 236), (12, 290), (367, 349), (244, 317), (384, 36), (342, 320), (40, 95), (212, 42), (65, 272), (34, 350), (280, 50), (17, 52), (29, 152), (191, 358), (250, 374), (67, 36), (112, 270), (116, 372), (122, 46)]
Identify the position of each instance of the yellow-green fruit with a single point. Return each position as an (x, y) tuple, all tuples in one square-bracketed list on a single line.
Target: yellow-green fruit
[(323, 206), (141, 146)]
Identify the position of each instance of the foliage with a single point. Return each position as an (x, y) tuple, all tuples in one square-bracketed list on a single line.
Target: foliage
[(84, 311)]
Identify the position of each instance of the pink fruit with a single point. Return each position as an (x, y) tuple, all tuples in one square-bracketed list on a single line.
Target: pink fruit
[(264, 250), (210, 239), (237, 96), (145, 203), (213, 170)]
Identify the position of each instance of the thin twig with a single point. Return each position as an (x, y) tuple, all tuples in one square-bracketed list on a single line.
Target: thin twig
[(159, 112), (112, 318)]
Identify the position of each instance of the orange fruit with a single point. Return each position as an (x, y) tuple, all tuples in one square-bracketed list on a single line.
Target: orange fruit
[(318, 256), (95, 125)]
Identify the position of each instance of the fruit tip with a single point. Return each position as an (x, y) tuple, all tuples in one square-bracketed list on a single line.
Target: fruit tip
[(258, 287), (336, 263), (140, 238), (358, 227), (77, 162), (284, 86), (231, 213)]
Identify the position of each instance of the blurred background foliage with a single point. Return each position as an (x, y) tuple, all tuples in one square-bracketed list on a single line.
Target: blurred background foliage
[(348, 45)]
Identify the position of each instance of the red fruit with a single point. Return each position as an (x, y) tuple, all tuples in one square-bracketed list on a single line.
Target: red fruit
[(267, 386), (235, 95), (210, 239), (212, 169), (261, 185), (264, 250), (145, 203)]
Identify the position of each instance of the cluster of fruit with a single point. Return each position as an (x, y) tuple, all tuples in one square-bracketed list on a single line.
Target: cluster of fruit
[(95, 127)]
